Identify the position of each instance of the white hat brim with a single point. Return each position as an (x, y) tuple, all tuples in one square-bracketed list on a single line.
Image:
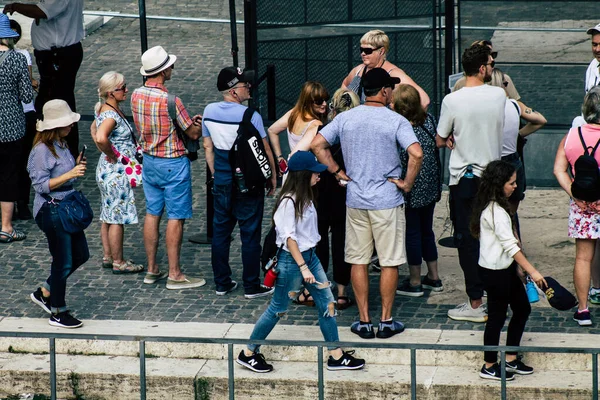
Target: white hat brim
[(57, 122), (172, 59)]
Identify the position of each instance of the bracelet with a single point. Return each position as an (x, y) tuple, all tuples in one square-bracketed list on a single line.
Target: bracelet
[(279, 156), (338, 171), (303, 266)]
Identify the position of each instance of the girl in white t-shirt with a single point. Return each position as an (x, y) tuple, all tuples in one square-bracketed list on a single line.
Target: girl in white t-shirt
[(499, 255), (295, 219)]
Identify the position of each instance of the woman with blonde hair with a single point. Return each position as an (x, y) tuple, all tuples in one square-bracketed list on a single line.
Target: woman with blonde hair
[(420, 201), (304, 120), (374, 47), (116, 139), (53, 171)]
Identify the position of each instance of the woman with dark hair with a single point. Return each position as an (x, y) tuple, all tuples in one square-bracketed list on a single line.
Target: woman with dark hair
[(499, 254), (420, 201), (15, 88), (331, 208), (584, 216), (53, 171), (295, 220), (304, 120), (513, 112)]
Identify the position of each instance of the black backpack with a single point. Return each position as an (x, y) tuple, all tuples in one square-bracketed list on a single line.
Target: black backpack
[(249, 155), (586, 184)]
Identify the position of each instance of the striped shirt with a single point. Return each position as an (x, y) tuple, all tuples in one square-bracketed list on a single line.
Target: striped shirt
[(151, 116)]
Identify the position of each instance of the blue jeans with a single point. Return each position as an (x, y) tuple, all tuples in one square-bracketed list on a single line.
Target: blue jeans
[(69, 251), (232, 207), (288, 285)]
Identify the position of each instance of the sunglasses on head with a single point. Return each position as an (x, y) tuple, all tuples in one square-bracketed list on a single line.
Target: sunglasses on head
[(494, 54), (368, 50), (505, 84)]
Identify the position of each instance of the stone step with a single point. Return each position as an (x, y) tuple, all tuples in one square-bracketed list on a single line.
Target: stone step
[(543, 361), (108, 377)]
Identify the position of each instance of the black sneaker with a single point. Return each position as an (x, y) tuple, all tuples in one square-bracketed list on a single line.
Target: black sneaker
[(229, 288), (256, 362), (406, 289), (583, 318), (346, 361), (495, 373), (261, 291), (389, 328), (64, 320), (434, 285), (363, 329), (38, 298), (518, 367)]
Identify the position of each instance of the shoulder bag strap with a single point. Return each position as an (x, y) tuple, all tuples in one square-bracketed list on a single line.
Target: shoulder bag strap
[(3, 56)]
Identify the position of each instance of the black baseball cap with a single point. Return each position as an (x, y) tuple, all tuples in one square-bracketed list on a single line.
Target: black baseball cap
[(559, 297), (231, 76), (378, 78)]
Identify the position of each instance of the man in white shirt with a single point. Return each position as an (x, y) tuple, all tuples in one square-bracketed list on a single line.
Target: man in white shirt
[(471, 124), (56, 37)]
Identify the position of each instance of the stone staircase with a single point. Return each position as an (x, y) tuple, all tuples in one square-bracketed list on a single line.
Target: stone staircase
[(97, 369)]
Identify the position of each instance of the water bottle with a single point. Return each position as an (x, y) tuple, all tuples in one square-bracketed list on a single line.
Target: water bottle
[(532, 293), (469, 172), (239, 180), (271, 275)]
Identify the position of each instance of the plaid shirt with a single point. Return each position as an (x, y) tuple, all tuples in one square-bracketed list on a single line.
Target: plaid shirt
[(151, 116)]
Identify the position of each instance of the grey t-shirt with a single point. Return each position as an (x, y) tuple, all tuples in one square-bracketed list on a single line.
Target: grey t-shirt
[(371, 138)]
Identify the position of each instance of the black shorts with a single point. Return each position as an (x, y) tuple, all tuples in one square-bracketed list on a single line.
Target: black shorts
[(11, 162)]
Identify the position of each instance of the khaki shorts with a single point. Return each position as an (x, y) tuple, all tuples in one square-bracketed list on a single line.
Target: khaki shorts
[(384, 228)]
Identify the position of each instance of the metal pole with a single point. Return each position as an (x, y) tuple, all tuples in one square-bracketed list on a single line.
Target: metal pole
[(503, 375), (449, 41), (320, 369), (52, 369), (413, 374), (251, 51), (234, 38), (142, 370), (143, 28), (271, 101), (230, 374), (595, 376)]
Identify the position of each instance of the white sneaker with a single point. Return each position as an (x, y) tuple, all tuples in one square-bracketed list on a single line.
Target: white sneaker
[(464, 312), (185, 283)]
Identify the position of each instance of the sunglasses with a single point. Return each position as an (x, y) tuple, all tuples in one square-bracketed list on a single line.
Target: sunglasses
[(122, 88), (319, 102), (492, 64), (368, 50), (494, 54), (505, 84)]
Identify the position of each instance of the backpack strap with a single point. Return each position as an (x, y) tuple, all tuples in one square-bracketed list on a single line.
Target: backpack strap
[(172, 107), (585, 146)]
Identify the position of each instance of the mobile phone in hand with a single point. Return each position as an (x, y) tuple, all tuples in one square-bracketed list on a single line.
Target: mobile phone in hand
[(82, 154)]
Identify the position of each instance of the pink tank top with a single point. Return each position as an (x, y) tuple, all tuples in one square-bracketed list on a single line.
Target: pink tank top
[(573, 146)]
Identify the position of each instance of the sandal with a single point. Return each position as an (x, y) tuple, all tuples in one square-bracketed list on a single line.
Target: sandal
[(14, 236), (127, 267), (107, 262), (348, 302), (304, 299)]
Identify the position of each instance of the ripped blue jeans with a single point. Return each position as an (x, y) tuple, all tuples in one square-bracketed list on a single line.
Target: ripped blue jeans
[(289, 283)]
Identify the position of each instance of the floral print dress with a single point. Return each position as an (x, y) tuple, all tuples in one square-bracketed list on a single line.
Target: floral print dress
[(118, 203)]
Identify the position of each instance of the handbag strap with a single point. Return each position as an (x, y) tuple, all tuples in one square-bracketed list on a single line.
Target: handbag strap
[(3, 56), (120, 113)]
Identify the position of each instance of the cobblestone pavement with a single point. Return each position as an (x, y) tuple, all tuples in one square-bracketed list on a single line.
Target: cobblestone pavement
[(95, 293)]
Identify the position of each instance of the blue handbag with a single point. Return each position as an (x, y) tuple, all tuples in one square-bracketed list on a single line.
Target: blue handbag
[(74, 211)]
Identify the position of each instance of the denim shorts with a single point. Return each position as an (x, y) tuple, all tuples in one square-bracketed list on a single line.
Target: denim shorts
[(167, 182)]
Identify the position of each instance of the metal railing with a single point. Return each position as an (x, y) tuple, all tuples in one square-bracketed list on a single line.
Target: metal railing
[(320, 345)]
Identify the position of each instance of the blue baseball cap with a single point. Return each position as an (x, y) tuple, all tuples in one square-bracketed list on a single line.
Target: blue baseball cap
[(305, 161)]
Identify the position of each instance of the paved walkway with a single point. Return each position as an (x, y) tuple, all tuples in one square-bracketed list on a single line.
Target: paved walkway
[(94, 293)]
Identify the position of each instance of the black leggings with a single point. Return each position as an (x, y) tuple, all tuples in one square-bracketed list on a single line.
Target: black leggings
[(504, 288), (341, 269)]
